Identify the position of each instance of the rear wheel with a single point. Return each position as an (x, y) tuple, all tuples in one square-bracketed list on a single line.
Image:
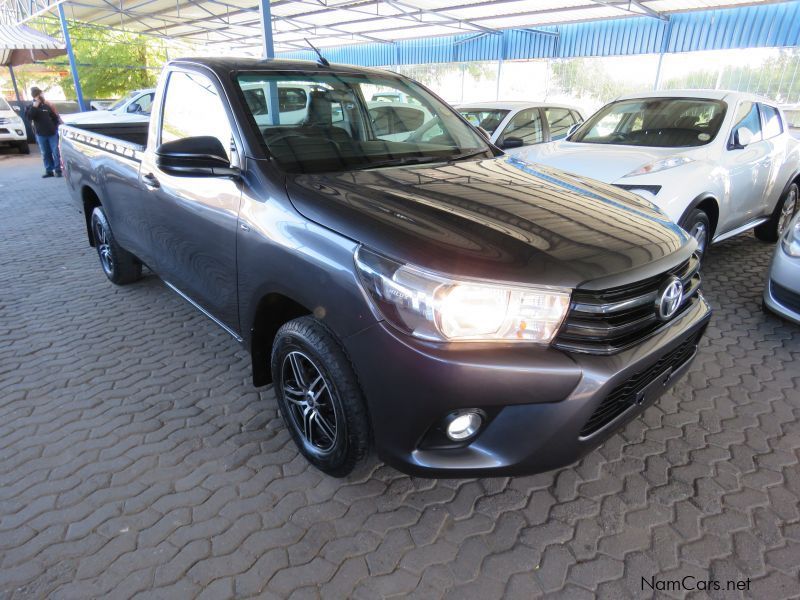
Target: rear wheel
[(772, 230), (119, 265), (319, 396), (698, 225)]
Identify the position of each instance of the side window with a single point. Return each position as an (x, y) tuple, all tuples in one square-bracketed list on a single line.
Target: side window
[(559, 120), (291, 99), (747, 116), (192, 107), (146, 103), (772, 121), (526, 125)]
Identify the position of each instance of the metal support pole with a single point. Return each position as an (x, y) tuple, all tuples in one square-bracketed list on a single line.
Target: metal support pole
[(73, 66), (657, 81), (268, 52), (266, 26), (14, 82)]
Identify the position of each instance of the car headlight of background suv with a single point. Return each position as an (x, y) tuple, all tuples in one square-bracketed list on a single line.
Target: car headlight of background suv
[(437, 307), (791, 240), (660, 165)]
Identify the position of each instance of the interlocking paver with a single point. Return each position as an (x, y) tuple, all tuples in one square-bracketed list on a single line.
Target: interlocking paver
[(136, 458)]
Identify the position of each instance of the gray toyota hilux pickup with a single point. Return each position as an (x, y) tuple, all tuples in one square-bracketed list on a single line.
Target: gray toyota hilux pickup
[(402, 283)]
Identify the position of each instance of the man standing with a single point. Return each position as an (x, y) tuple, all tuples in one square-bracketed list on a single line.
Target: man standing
[(45, 120)]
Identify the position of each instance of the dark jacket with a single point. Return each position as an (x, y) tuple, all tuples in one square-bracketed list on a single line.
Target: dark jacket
[(45, 119)]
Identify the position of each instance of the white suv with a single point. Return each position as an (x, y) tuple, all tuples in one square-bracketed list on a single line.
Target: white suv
[(718, 163), (12, 129)]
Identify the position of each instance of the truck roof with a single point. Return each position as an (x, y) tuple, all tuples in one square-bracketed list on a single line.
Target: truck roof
[(224, 65)]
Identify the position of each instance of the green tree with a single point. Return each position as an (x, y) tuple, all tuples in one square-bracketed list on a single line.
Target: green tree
[(110, 63)]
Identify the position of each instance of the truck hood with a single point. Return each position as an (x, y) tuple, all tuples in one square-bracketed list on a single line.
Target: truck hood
[(604, 162), (498, 218)]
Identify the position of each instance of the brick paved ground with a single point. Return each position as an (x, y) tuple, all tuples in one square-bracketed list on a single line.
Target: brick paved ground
[(136, 459)]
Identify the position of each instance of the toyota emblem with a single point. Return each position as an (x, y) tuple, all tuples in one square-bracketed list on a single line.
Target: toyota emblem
[(670, 297)]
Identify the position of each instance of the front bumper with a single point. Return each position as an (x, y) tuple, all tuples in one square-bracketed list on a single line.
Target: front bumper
[(8, 133), (538, 400), (782, 292)]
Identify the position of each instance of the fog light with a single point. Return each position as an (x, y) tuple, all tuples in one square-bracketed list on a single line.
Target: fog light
[(19, 132), (463, 426)]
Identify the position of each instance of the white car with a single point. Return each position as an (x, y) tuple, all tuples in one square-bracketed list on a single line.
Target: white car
[(717, 163), (515, 125), (134, 107), (782, 293), (12, 129)]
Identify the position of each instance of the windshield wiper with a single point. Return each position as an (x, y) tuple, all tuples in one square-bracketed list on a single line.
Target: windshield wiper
[(419, 160), (466, 155), (401, 162)]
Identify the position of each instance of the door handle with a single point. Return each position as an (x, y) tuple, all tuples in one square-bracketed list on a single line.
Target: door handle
[(150, 181)]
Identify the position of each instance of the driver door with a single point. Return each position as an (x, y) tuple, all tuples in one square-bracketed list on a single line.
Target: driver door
[(193, 220), (748, 169)]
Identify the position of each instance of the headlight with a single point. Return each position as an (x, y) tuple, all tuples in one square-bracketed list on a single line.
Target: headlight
[(660, 165), (435, 307), (16, 120), (791, 240)]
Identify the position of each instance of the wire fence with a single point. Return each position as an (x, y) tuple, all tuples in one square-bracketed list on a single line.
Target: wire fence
[(591, 82)]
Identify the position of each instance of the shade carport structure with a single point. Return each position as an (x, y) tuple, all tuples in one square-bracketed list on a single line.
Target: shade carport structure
[(20, 45)]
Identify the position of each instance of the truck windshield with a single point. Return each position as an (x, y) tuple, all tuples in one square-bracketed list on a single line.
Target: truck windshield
[(655, 122), (329, 122), (4, 105)]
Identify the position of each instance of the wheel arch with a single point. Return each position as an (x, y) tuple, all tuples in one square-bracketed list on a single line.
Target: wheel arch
[(273, 310), (709, 204), (90, 199)]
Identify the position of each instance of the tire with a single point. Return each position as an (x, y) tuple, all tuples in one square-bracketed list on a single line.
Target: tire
[(696, 224), (319, 396), (24, 148), (119, 265), (772, 230)]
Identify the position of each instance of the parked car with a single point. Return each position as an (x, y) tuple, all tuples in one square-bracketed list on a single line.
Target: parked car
[(469, 313), (12, 129), (514, 125), (718, 163), (782, 292), (394, 97), (135, 106)]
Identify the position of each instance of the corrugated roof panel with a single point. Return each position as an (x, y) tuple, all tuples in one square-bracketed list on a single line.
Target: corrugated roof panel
[(765, 25)]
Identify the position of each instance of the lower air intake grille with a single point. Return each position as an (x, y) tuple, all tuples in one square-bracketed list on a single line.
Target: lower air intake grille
[(785, 296), (624, 395)]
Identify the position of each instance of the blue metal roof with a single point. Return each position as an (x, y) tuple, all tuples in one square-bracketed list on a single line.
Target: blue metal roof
[(761, 26)]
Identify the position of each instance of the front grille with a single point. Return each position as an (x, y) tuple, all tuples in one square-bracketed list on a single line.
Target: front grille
[(785, 296), (4, 120), (608, 321), (624, 396), (2, 130)]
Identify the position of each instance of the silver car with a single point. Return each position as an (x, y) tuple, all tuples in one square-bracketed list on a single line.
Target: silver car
[(782, 294)]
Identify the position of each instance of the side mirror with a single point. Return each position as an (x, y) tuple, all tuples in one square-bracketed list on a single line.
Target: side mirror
[(202, 156), (574, 128), (134, 108), (742, 137), (17, 108), (512, 142)]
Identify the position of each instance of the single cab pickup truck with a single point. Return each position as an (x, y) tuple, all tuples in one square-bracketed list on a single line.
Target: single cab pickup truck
[(461, 311)]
